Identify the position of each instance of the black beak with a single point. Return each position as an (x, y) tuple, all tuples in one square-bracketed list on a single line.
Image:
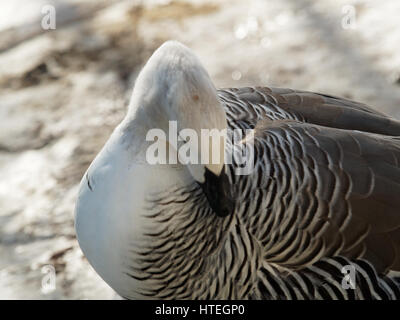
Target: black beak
[(218, 192)]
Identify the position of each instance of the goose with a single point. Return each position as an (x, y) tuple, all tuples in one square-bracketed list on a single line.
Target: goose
[(317, 217)]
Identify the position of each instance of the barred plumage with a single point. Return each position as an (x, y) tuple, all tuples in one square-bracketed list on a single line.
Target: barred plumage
[(322, 200)]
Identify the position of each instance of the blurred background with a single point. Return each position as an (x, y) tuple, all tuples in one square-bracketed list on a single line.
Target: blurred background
[(65, 84)]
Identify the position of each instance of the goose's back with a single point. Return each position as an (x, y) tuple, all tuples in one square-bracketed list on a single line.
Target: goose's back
[(326, 181)]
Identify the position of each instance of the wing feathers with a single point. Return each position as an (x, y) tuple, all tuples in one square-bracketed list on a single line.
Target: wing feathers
[(343, 160)]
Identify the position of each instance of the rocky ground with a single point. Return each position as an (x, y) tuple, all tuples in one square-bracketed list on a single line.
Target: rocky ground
[(63, 91)]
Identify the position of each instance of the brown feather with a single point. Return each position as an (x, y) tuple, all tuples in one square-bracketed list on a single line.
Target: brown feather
[(351, 156)]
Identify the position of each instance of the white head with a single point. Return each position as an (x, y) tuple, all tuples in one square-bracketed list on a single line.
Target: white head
[(113, 202), (174, 86)]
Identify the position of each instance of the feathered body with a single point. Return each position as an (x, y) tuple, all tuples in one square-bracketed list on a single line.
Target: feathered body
[(323, 195)]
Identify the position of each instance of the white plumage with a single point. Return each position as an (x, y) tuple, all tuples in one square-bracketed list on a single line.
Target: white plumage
[(322, 195)]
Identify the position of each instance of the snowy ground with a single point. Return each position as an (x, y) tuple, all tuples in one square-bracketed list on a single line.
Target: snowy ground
[(63, 91)]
